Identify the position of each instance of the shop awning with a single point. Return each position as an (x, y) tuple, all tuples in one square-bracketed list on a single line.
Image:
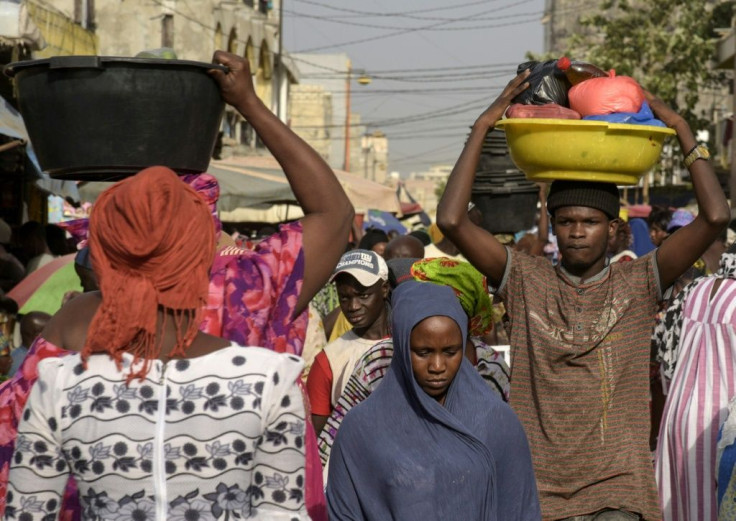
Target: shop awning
[(255, 189), (258, 181), (11, 125)]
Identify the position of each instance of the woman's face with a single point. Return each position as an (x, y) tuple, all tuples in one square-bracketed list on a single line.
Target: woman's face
[(657, 235), (436, 354)]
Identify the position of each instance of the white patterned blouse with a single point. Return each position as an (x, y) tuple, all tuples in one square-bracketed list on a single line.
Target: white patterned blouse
[(219, 436)]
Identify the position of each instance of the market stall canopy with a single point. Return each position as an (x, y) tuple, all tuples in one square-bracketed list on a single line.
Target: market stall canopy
[(255, 182), (11, 125), (384, 221), (44, 289), (259, 183)]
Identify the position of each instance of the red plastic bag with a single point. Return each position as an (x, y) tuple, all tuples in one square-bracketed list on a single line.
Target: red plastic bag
[(598, 96), (548, 111)]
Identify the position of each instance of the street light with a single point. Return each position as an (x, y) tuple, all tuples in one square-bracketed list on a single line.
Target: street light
[(363, 79)]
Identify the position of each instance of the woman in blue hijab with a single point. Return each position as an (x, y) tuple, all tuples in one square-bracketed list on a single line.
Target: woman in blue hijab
[(433, 441)]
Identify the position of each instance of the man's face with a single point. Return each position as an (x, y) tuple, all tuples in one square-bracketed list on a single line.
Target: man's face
[(582, 237), (361, 305)]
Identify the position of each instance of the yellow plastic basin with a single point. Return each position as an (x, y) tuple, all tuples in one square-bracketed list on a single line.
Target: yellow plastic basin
[(549, 149)]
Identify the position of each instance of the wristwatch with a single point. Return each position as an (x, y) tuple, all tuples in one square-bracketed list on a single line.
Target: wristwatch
[(699, 152)]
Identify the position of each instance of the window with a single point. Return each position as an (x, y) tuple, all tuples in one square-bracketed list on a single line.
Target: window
[(84, 13), (218, 37), (232, 42), (167, 30)]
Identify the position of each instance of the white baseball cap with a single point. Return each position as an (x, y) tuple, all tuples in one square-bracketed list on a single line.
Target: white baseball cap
[(366, 266)]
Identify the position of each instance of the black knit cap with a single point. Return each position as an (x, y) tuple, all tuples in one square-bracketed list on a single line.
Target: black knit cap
[(399, 270), (601, 196)]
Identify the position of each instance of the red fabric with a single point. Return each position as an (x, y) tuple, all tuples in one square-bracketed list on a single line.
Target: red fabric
[(319, 385), (152, 243), (639, 210), (314, 490), (547, 111), (598, 96)]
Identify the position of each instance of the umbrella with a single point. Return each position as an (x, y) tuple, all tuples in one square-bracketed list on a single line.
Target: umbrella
[(44, 289), (259, 183), (383, 221)]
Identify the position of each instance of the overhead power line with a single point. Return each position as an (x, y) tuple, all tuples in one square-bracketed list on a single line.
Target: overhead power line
[(395, 14), (493, 18), (402, 159), (453, 90), (449, 68), (475, 104), (443, 78), (410, 30)]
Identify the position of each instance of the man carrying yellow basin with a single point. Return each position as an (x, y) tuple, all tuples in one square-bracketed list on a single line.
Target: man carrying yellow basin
[(580, 332)]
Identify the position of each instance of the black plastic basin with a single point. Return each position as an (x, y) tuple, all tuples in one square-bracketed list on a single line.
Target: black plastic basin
[(105, 118), (507, 209)]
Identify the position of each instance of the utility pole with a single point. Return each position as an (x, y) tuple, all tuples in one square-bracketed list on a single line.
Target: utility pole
[(346, 163)]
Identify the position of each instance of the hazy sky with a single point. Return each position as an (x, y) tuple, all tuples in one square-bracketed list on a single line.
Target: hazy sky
[(436, 63)]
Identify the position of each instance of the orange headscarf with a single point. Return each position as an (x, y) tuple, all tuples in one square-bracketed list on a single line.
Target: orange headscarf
[(152, 242)]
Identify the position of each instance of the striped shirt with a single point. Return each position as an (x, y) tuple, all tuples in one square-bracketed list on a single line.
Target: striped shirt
[(580, 382), (704, 381)]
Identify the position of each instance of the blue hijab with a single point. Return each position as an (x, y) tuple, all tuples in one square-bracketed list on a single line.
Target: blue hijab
[(400, 455), (640, 231)]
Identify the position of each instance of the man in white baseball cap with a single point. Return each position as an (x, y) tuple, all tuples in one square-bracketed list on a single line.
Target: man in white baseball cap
[(361, 278)]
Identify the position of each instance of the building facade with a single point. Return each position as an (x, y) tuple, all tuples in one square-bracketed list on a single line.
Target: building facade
[(310, 115), (248, 28), (426, 187), (331, 72), (374, 156)]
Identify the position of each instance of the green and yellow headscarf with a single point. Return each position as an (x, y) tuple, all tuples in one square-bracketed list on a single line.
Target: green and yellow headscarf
[(469, 285)]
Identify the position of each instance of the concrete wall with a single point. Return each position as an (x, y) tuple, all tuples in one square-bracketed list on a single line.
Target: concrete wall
[(374, 157), (331, 72), (199, 28), (310, 113)]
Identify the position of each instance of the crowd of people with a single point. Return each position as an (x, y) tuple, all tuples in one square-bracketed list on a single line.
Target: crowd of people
[(332, 373)]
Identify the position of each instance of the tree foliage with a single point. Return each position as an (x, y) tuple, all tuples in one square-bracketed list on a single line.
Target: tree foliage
[(667, 45), (439, 188)]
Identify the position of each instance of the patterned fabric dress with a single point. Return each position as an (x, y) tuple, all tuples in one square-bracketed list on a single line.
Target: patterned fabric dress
[(252, 296), (253, 293), (697, 344), (221, 434)]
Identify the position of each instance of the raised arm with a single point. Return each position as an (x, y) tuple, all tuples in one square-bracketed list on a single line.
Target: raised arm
[(328, 213), (680, 250), (479, 246)]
